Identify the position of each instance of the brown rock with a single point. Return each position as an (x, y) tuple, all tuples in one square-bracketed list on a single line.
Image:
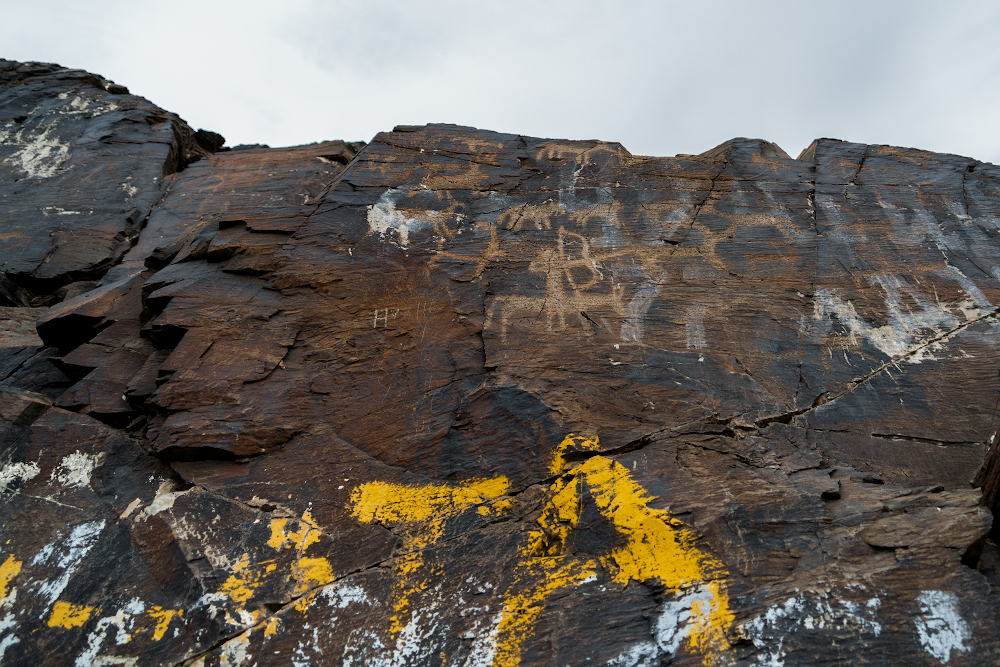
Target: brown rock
[(461, 397)]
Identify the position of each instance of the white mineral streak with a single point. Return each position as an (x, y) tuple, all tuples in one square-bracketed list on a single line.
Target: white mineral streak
[(341, 595), (807, 614), (41, 152), (123, 621), (65, 555), (484, 648), (643, 654), (940, 628), (8, 626), (906, 330), (634, 326), (17, 472), (694, 327), (672, 625), (383, 216), (75, 469)]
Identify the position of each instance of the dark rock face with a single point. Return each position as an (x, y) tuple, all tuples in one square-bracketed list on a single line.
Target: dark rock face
[(460, 397)]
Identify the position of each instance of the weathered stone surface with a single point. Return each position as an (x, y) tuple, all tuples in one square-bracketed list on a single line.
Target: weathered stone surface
[(461, 397), (66, 136)]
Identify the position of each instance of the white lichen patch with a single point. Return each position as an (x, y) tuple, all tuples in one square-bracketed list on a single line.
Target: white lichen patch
[(63, 555), (484, 647), (819, 614), (673, 625), (383, 217), (41, 151), (74, 471), (13, 473), (643, 654), (940, 628), (122, 622), (41, 154), (340, 595), (913, 318)]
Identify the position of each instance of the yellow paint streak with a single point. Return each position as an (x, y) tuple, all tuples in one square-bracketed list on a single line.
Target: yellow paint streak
[(496, 508), (310, 573), (710, 621), (271, 628), (163, 618), (386, 503), (424, 509), (308, 533), (575, 442), (240, 585), (8, 571), (307, 573), (520, 611), (657, 547), (68, 615)]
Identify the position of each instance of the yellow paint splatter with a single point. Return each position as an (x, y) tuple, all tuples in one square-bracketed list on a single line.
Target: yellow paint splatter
[(310, 573), (710, 620), (654, 546), (657, 547), (245, 579), (163, 618), (425, 508), (307, 572), (8, 571), (68, 615), (576, 442), (308, 533), (521, 610), (386, 503)]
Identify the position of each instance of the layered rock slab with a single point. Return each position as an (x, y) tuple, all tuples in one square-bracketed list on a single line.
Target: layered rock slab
[(463, 397)]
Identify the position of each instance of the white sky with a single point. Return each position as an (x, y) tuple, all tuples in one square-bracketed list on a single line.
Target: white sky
[(660, 77)]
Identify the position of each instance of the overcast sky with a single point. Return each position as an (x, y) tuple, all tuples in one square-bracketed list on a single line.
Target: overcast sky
[(660, 77)]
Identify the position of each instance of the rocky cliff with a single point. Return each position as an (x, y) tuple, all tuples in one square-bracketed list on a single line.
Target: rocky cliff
[(468, 398)]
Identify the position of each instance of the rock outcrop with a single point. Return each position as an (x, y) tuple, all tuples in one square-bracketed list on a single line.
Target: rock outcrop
[(468, 398)]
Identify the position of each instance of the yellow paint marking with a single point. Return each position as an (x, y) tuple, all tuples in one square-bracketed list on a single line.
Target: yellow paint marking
[(68, 615), (576, 442), (310, 573), (654, 546), (657, 547), (521, 610), (308, 533), (8, 571), (384, 503), (710, 622), (241, 585), (425, 508), (163, 618)]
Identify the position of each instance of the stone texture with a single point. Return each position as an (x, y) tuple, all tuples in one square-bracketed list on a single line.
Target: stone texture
[(461, 397)]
